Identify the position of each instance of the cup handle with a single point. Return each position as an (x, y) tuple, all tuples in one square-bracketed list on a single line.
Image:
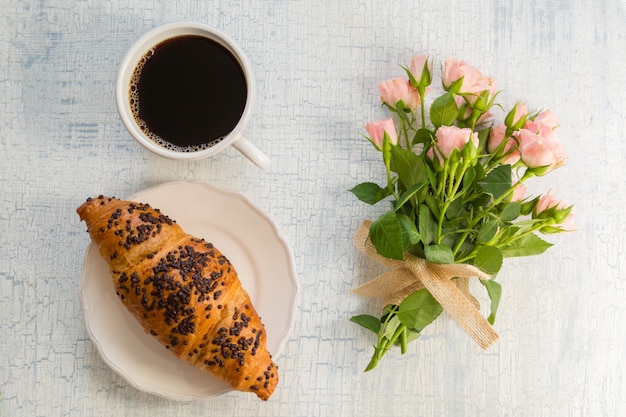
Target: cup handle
[(251, 152)]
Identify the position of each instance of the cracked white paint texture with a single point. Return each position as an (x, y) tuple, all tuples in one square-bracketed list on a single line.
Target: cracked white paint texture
[(563, 345)]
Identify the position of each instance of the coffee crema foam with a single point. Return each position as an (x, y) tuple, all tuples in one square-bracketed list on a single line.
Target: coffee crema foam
[(133, 99)]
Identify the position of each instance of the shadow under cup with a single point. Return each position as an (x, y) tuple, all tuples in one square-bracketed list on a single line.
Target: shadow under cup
[(185, 91)]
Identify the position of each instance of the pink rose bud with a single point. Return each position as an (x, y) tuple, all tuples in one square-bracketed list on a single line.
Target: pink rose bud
[(510, 152), (569, 224), (392, 91), (549, 201), (516, 117), (496, 136), (520, 111), (377, 130), (421, 70), (450, 138)]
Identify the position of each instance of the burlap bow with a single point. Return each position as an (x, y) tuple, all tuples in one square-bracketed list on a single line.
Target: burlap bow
[(447, 283)]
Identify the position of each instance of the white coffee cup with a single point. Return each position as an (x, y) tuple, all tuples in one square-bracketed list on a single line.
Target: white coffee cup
[(125, 74)]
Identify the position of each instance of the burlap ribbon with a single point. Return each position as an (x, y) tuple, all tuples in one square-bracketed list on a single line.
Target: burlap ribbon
[(449, 284)]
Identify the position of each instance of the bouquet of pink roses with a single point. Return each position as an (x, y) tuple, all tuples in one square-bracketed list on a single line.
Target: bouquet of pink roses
[(455, 182)]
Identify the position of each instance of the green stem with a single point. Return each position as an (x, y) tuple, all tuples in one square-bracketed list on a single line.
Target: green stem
[(476, 114), (452, 180), (442, 183), (450, 197), (375, 359), (422, 92), (459, 243), (403, 341), (384, 344)]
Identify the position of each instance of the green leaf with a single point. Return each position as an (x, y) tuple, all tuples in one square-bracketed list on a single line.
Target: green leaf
[(386, 235), (406, 196), (392, 325), (479, 171), (432, 178), (455, 87), (498, 181), (489, 259), (444, 110), (455, 208), (466, 247), (433, 205), (369, 192), (468, 179), (527, 245), (522, 228), (427, 226), (494, 290), (418, 310), (481, 201), (511, 211), (423, 135), (411, 77), (408, 165), (440, 254), (410, 236), (369, 322), (487, 231)]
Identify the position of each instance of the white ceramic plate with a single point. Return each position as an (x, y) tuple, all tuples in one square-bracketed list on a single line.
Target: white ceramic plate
[(238, 229)]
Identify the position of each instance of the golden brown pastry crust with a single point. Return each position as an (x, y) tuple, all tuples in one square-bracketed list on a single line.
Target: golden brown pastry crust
[(183, 291)]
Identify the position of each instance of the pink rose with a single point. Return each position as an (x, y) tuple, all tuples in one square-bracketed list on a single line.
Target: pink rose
[(392, 91), (521, 110), (474, 83), (510, 152), (450, 138), (569, 224), (538, 151), (421, 69), (549, 201), (377, 130)]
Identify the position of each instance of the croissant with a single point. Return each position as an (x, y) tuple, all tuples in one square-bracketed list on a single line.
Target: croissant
[(183, 291)]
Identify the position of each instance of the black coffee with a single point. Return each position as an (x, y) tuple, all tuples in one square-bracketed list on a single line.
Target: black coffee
[(188, 93)]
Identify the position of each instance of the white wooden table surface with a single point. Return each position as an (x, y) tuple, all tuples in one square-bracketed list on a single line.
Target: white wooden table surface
[(562, 347)]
